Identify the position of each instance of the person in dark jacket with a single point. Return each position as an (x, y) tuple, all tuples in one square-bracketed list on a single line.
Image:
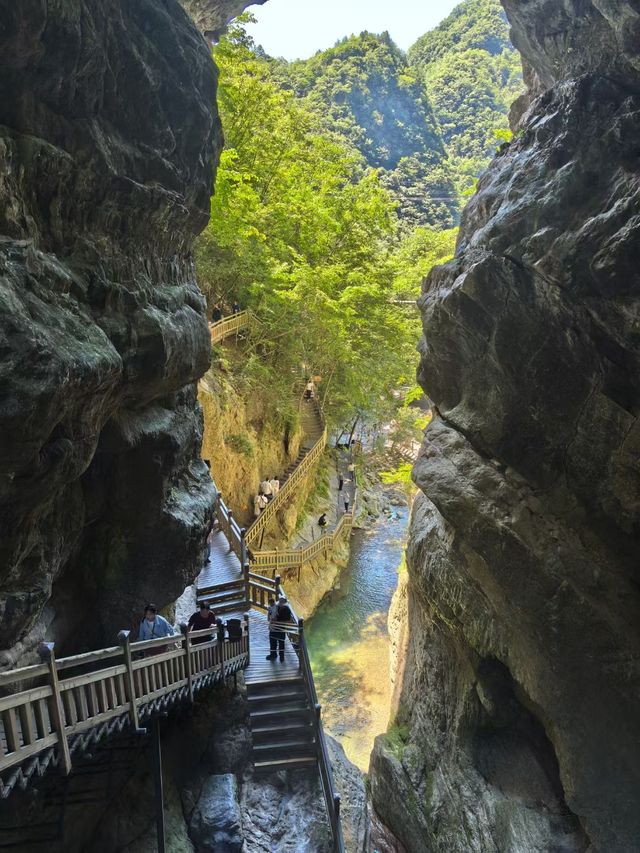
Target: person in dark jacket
[(203, 618), (277, 633), (216, 316)]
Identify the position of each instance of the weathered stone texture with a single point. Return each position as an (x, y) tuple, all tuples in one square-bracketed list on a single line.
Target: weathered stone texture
[(108, 141), (520, 698)]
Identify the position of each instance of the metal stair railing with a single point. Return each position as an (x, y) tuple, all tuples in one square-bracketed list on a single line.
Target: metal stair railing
[(73, 701)]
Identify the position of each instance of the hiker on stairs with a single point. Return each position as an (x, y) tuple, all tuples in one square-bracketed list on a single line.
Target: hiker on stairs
[(266, 490), (277, 633), (275, 486), (309, 390), (259, 503)]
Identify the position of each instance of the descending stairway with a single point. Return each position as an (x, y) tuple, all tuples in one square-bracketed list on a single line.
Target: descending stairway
[(281, 725)]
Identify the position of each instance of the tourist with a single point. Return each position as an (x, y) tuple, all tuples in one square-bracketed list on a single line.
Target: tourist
[(259, 503), (265, 489), (272, 610), (201, 619), (340, 482), (346, 504), (309, 389), (216, 316), (352, 472), (154, 626), (322, 521), (275, 486), (236, 308), (277, 633)]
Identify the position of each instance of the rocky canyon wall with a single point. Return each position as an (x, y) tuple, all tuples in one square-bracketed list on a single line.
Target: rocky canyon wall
[(109, 137), (518, 724)]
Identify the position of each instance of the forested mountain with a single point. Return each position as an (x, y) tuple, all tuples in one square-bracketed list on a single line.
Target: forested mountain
[(472, 74), (365, 90), (431, 119), (338, 189)]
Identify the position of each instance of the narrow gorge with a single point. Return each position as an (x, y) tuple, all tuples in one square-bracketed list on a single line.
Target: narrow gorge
[(514, 672)]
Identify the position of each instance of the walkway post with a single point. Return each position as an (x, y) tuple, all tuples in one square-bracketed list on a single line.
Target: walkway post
[(300, 642), (246, 628), (47, 654), (159, 792), (222, 655), (188, 664), (230, 530), (124, 638)]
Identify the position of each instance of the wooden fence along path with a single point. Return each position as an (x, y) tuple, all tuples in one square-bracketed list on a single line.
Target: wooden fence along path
[(284, 711), (57, 708), (229, 326)]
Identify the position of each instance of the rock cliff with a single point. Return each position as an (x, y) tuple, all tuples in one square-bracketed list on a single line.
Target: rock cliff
[(109, 138), (517, 726)]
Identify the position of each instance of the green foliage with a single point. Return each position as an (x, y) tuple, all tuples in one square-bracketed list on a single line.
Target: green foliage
[(473, 25), (472, 75), (304, 233), (240, 443), (337, 192), (364, 91)]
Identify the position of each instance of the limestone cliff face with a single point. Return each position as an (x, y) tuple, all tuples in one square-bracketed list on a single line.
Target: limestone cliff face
[(518, 715), (212, 16), (108, 142)]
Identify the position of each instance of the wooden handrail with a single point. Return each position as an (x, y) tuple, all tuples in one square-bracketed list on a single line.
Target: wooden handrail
[(331, 797), (52, 713), (304, 466), (295, 557), (228, 325)]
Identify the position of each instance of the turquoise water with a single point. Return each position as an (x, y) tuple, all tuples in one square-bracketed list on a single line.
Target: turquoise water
[(348, 640)]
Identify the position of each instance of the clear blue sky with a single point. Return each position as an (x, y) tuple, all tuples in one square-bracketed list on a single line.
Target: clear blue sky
[(296, 29)]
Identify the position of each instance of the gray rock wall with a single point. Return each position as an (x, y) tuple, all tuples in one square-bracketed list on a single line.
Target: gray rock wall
[(518, 724), (109, 137)]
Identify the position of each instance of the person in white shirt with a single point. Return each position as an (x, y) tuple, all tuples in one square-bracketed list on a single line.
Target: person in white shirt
[(275, 486), (263, 502), (257, 505), (265, 489), (309, 389)]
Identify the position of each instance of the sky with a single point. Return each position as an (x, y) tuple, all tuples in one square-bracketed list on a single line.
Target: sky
[(296, 29)]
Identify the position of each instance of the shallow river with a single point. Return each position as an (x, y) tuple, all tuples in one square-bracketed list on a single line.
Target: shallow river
[(348, 640)]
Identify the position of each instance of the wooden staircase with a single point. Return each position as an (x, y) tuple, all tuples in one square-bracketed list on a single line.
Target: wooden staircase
[(281, 725)]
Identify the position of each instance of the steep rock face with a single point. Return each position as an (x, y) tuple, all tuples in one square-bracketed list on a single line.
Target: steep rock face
[(520, 693), (212, 16), (108, 142)]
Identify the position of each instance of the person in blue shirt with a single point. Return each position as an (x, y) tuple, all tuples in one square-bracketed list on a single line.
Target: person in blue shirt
[(153, 625)]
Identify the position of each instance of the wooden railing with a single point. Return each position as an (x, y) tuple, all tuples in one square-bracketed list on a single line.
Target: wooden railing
[(236, 535), (331, 796), (228, 325), (302, 469), (293, 558), (99, 693)]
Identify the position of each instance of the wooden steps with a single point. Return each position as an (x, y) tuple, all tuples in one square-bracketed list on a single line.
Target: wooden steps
[(281, 725)]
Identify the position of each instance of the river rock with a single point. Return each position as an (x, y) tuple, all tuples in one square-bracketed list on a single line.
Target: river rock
[(349, 784), (285, 813), (517, 724), (216, 824)]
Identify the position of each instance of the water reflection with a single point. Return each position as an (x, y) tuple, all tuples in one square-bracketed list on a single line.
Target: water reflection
[(349, 643)]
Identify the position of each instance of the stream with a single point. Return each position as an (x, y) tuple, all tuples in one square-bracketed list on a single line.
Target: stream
[(348, 640)]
